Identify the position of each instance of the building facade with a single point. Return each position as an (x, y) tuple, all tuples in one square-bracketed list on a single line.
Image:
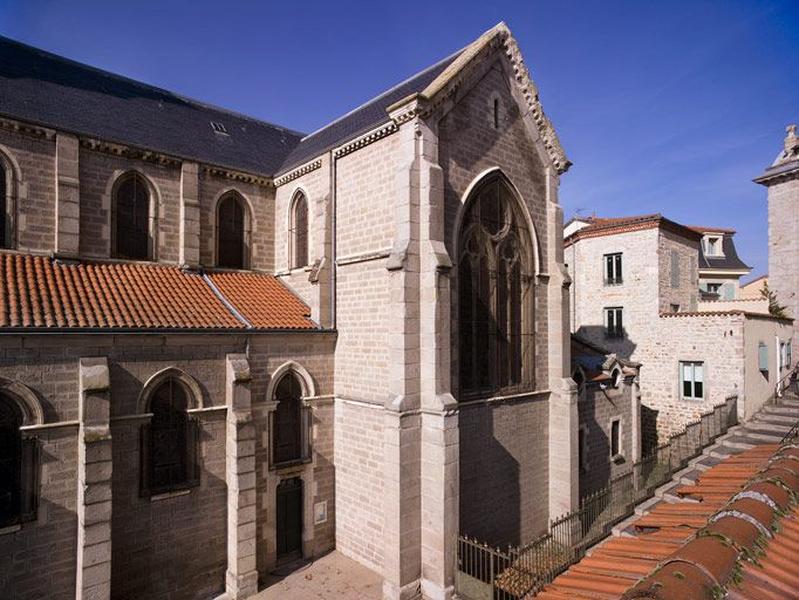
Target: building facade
[(635, 291), (226, 345)]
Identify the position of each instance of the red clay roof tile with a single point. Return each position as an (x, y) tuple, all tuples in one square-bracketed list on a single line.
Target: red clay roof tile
[(39, 292)]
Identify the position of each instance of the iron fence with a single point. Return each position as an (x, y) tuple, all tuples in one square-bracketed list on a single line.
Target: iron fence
[(488, 573)]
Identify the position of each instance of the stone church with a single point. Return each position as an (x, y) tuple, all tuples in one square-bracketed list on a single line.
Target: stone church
[(227, 345)]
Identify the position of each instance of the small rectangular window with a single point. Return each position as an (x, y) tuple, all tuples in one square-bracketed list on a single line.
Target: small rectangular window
[(675, 308), (614, 322), (615, 438), (713, 246), (692, 376), (762, 357), (613, 269), (714, 288)]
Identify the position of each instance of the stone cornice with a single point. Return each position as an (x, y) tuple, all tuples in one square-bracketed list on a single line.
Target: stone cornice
[(237, 175), (128, 151), (376, 134), (298, 172), (26, 128)]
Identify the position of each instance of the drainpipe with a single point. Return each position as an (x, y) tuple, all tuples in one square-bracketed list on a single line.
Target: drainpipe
[(333, 259)]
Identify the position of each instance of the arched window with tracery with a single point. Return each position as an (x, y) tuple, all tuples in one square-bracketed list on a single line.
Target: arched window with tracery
[(231, 234), (131, 211), (290, 423), (496, 285), (169, 441), (19, 464), (298, 232)]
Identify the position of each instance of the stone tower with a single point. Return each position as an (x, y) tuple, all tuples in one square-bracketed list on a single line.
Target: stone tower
[(782, 181)]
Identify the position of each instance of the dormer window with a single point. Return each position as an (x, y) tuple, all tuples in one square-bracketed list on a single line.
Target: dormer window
[(713, 245)]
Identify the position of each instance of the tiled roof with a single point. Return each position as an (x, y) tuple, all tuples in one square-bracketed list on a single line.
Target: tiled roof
[(39, 292), (263, 300), (49, 90), (602, 226), (737, 529)]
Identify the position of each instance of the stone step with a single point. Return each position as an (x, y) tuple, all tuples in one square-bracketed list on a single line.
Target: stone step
[(721, 452), (739, 441), (766, 436), (768, 428), (704, 462), (775, 419)]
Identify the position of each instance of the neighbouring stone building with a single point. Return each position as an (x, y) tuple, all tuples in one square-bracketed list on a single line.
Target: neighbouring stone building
[(609, 407), (635, 291), (782, 181), (225, 345)]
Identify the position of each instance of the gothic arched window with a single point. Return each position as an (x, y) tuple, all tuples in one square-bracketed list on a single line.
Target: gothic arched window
[(495, 293), (298, 233), (19, 464), (132, 217), (231, 244), (169, 441), (289, 435)]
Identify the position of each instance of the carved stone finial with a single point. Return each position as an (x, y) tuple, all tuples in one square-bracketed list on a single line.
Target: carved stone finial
[(791, 140)]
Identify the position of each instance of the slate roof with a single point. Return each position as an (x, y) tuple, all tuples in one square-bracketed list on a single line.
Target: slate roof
[(730, 261), (52, 91), (39, 292), (48, 90), (362, 119)]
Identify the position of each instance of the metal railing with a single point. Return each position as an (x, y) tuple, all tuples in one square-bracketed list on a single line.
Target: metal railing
[(487, 573)]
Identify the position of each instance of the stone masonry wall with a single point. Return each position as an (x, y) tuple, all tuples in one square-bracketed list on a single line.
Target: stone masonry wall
[(598, 408), (358, 451), (468, 146), (169, 548), (685, 293), (260, 202), (35, 156), (504, 482), (636, 294), (783, 244), (715, 340)]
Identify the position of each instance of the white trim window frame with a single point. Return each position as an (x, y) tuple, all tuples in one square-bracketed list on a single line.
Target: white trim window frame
[(614, 321), (692, 380), (612, 265)]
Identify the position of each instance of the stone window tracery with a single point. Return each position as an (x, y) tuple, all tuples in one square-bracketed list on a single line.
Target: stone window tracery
[(496, 293), (290, 423)]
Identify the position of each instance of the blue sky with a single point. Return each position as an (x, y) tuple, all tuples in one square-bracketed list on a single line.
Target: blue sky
[(665, 107)]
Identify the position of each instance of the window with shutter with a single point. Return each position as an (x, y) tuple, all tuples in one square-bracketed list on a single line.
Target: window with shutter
[(762, 357)]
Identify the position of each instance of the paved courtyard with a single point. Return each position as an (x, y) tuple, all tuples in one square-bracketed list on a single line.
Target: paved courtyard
[(331, 577)]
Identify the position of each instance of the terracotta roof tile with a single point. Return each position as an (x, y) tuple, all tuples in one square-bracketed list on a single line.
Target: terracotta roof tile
[(263, 300), (602, 226), (39, 292), (695, 549)]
